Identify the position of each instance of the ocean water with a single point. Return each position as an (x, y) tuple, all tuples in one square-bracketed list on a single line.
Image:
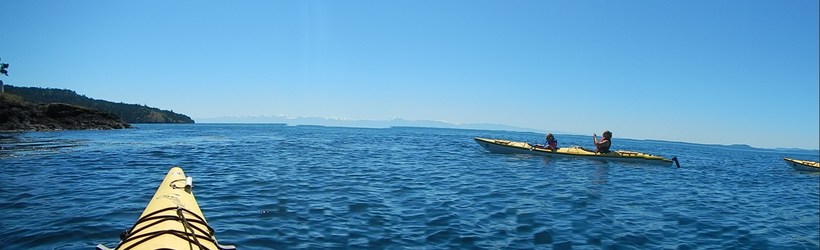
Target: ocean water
[(305, 187)]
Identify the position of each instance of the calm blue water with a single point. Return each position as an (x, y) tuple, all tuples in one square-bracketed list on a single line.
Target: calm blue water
[(286, 187)]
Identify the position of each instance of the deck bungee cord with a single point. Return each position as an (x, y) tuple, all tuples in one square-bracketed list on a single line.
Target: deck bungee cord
[(171, 220), (192, 237)]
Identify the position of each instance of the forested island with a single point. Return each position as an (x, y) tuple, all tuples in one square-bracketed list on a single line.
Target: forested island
[(28, 108), (130, 113)]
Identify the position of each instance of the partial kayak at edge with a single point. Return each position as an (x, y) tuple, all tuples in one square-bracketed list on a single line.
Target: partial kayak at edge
[(515, 147), (803, 165), (171, 220)]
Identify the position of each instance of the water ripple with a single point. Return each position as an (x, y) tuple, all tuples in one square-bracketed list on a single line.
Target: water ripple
[(281, 187)]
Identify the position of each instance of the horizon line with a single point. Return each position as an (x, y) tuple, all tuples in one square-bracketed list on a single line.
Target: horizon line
[(452, 125)]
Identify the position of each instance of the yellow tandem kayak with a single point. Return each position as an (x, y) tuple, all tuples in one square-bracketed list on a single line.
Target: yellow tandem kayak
[(514, 147), (803, 165), (172, 220)]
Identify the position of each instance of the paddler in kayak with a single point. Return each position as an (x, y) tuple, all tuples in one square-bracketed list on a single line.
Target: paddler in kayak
[(551, 143), (603, 145)]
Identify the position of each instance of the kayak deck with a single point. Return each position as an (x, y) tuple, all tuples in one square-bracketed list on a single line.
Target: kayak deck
[(514, 147), (171, 220)]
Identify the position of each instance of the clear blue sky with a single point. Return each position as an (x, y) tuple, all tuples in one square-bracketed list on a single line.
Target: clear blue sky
[(724, 72)]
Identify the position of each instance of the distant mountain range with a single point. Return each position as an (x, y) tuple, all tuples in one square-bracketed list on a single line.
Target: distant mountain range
[(343, 122), (399, 122), (130, 113)]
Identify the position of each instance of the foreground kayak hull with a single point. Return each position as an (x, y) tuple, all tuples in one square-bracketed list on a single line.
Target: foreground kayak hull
[(513, 147), (802, 165), (171, 220)]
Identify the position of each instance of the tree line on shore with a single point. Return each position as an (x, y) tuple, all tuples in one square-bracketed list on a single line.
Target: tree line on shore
[(130, 113)]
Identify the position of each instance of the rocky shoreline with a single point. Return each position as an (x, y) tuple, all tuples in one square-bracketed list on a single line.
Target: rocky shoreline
[(17, 115)]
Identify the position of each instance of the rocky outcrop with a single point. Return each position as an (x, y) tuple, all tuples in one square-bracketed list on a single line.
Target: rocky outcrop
[(16, 115)]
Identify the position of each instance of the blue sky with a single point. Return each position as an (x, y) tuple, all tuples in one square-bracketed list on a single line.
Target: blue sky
[(723, 72)]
